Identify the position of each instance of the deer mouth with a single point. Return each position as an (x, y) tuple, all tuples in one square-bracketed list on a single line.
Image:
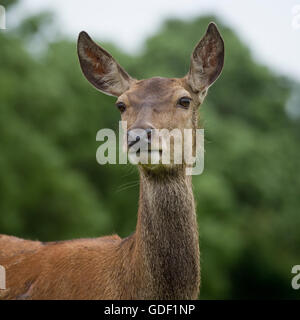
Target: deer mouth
[(139, 152), (147, 157)]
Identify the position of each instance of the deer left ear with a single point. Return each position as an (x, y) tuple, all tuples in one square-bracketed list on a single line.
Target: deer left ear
[(100, 68), (207, 60)]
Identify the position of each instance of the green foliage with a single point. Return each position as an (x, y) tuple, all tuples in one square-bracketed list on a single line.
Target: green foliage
[(51, 187), (8, 3)]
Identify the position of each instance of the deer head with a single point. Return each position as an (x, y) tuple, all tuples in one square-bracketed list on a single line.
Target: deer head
[(155, 103)]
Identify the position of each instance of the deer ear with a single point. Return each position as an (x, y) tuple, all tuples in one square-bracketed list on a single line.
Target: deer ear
[(207, 60), (100, 68)]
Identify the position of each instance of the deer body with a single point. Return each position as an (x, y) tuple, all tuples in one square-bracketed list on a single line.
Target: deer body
[(161, 259)]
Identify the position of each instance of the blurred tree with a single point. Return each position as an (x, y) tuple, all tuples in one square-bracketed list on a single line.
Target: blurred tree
[(8, 3), (248, 200)]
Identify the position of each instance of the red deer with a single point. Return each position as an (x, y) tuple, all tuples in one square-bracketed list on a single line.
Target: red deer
[(160, 260)]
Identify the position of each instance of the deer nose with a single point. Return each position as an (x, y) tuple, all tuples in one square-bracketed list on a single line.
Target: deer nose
[(139, 134)]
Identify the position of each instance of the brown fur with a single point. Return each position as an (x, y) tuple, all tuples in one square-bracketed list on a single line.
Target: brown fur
[(161, 259)]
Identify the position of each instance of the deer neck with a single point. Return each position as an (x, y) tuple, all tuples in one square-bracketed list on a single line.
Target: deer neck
[(167, 234)]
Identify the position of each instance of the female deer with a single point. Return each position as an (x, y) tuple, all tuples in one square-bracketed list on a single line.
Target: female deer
[(161, 259)]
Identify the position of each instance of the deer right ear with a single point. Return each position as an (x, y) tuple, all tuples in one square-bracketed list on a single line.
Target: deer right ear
[(207, 60), (100, 68)]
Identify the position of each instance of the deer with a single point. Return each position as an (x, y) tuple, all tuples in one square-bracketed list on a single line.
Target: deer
[(161, 259)]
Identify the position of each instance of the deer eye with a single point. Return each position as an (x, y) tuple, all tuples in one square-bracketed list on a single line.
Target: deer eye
[(184, 102), (121, 106)]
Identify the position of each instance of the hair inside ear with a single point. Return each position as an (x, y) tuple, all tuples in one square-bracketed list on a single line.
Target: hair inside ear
[(207, 60), (100, 68)]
